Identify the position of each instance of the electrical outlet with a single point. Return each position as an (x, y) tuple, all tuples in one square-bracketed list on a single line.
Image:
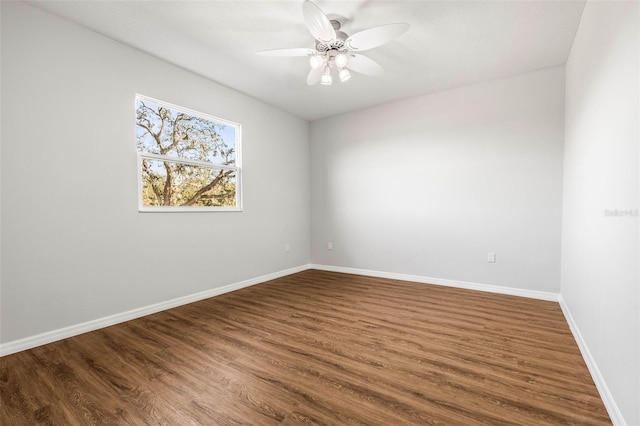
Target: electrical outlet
[(287, 247), (491, 257), (329, 245)]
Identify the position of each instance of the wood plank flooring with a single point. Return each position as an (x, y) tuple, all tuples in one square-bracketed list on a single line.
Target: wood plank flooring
[(315, 348)]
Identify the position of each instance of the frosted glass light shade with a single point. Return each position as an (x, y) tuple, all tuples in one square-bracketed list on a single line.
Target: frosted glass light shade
[(316, 61), (326, 76), (341, 60)]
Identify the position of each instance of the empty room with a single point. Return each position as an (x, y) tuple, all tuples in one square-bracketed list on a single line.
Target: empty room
[(320, 212)]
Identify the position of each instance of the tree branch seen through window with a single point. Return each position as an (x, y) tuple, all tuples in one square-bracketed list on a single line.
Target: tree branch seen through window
[(186, 159)]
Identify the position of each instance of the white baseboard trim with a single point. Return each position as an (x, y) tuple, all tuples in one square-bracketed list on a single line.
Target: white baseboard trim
[(612, 408), (532, 294), (74, 330), (607, 398)]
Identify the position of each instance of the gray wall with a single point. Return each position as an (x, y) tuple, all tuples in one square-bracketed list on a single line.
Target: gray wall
[(428, 185), (424, 186), (74, 247), (600, 254)]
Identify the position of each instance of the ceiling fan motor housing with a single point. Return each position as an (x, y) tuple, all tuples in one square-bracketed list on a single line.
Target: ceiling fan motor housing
[(337, 44)]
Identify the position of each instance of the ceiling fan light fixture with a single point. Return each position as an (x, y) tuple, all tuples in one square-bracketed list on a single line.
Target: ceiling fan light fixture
[(326, 76), (315, 61), (336, 49), (344, 74), (341, 60)]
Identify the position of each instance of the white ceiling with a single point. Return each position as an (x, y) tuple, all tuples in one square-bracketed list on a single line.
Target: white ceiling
[(449, 43)]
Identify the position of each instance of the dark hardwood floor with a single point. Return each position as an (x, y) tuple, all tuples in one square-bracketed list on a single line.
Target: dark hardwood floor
[(315, 348)]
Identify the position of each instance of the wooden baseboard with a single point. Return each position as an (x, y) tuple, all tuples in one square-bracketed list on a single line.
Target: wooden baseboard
[(607, 398), (605, 394), (334, 348), (74, 330), (532, 294)]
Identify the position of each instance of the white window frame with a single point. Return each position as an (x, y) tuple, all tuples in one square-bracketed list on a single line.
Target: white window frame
[(151, 156)]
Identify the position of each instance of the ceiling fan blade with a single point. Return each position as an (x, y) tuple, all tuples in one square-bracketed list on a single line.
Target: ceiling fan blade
[(318, 23), (374, 37), (314, 76), (297, 51), (363, 65)]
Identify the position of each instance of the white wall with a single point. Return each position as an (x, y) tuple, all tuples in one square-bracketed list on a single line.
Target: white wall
[(428, 185), (74, 247), (425, 186), (600, 253)]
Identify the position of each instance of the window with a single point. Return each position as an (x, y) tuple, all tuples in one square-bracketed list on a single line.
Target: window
[(187, 161)]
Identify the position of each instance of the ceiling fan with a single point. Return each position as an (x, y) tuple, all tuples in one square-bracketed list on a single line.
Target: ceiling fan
[(335, 50)]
